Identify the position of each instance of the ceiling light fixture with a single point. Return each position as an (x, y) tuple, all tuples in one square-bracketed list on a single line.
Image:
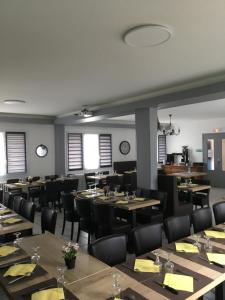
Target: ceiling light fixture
[(168, 129), (148, 35), (84, 112), (14, 101)]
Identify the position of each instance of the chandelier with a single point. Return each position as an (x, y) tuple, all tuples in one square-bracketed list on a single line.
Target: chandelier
[(168, 129)]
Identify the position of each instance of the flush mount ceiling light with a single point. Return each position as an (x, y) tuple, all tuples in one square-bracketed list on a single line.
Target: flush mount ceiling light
[(14, 101), (147, 35)]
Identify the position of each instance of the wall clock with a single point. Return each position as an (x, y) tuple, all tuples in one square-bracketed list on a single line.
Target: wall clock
[(124, 147), (41, 150)]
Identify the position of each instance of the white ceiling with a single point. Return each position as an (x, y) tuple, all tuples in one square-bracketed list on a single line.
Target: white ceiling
[(59, 55), (205, 110)]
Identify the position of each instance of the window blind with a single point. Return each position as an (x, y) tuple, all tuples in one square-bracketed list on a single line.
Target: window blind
[(105, 150), (161, 148), (75, 151), (16, 152)]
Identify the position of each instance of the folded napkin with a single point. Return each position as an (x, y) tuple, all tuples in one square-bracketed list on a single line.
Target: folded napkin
[(145, 265), (186, 247), (49, 294), (5, 211), (215, 234), (86, 193), (179, 282), (103, 198), (119, 194), (20, 183), (100, 191), (11, 221), (139, 199), (6, 250), (20, 270), (217, 258), (117, 298), (122, 202)]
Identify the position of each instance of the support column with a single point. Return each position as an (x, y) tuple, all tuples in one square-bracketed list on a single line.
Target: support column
[(60, 150), (146, 139)]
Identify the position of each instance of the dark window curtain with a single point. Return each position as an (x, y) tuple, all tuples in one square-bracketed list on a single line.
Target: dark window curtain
[(105, 150), (75, 151)]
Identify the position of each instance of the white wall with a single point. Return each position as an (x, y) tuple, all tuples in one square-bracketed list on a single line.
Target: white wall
[(35, 134), (191, 135), (118, 135)]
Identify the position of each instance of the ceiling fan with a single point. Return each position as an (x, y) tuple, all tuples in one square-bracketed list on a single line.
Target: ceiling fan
[(85, 112)]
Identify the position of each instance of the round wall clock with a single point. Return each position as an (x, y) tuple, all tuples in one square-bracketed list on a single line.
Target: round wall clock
[(124, 147), (41, 150)]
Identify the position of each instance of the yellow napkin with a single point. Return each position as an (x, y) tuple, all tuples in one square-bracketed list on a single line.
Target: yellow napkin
[(6, 250), (139, 199), (117, 298), (86, 193), (122, 202), (103, 198), (215, 234), (145, 265), (4, 211), (100, 191), (217, 257), (185, 247), (11, 221), (49, 294), (119, 194), (20, 269), (179, 282)]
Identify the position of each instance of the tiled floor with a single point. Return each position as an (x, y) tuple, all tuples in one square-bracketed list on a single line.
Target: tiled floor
[(216, 195)]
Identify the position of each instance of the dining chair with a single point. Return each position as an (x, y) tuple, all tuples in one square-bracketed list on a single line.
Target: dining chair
[(48, 220), (106, 223), (177, 227), (88, 180), (146, 238), (202, 219), (69, 212), (219, 212), (14, 180), (85, 215), (70, 185), (201, 198), (17, 203), (110, 249), (28, 210), (52, 193)]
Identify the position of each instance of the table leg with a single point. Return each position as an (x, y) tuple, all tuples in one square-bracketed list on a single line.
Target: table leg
[(220, 291), (133, 218)]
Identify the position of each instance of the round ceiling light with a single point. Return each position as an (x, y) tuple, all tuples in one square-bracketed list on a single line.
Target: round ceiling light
[(147, 35), (14, 101)]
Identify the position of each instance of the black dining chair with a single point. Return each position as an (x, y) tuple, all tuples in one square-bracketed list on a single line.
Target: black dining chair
[(52, 193), (106, 223), (201, 198), (88, 180), (219, 212), (146, 238), (112, 182), (48, 220), (17, 203), (28, 210), (70, 185), (69, 212), (110, 249), (86, 220), (202, 219), (177, 227), (14, 180)]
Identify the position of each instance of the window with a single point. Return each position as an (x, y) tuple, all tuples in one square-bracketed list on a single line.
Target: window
[(89, 151), (105, 150), (161, 148), (16, 152), (2, 154), (75, 151)]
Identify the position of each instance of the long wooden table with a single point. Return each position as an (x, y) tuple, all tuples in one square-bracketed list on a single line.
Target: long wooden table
[(194, 187)]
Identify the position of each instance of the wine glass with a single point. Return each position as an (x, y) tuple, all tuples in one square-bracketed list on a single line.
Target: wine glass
[(60, 276), (116, 284), (169, 266), (196, 237), (35, 258), (208, 245), (157, 260), (127, 196), (18, 240), (134, 195)]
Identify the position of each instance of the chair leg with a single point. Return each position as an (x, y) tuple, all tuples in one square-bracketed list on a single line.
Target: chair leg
[(78, 232), (89, 238), (72, 227), (64, 223)]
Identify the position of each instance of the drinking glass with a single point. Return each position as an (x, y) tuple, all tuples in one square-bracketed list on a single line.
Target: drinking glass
[(127, 196), (60, 276), (35, 258), (196, 237), (169, 266), (116, 284), (18, 240), (157, 260), (208, 245), (134, 195)]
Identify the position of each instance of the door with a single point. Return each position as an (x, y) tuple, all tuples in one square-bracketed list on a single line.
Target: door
[(214, 158)]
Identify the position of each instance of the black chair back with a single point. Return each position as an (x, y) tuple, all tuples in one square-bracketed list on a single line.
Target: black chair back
[(52, 191), (17, 203), (111, 249), (15, 180), (48, 220), (103, 216), (177, 227), (68, 204), (35, 178), (219, 212), (28, 210), (69, 185), (202, 219), (88, 180), (147, 238)]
